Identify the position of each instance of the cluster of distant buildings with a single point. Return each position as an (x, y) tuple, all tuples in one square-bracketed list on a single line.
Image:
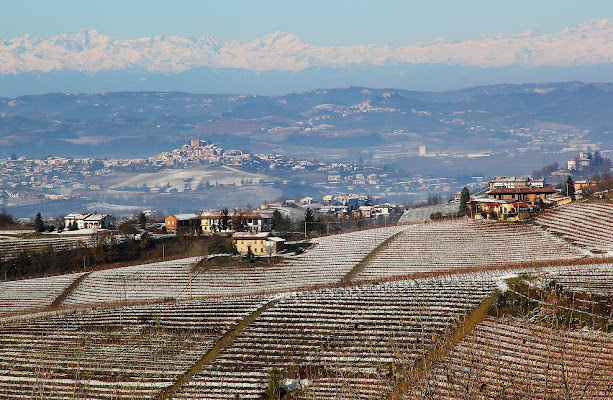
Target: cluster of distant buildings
[(347, 175), (511, 198), (247, 226), (200, 151), (251, 231), (49, 173)]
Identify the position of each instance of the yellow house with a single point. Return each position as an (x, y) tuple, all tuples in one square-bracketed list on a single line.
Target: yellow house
[(507, 212), (209, 222), (259, 243)]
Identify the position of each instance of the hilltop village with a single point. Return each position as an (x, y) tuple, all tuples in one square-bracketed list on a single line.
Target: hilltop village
[(19, 175), (210, 169)]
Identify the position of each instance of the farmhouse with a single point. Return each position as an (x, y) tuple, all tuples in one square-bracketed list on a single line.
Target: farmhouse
[(255, 222), (531, 194), (210, 223), (182, 223), (504, 210), (259, 243), (99, 221), (90, 221)]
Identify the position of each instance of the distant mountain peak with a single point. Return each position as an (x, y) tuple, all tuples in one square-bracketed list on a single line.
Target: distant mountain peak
[(87, 37), (281, 35), (596, 24), (281, 39), (90, 51)]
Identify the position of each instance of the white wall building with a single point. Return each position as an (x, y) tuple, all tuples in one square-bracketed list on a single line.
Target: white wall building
[(90, 221)]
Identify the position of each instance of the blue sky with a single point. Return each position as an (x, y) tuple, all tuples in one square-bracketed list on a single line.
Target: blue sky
[(320, 23)]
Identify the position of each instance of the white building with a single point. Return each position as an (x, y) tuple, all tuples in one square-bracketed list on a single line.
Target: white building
[(90, 221)]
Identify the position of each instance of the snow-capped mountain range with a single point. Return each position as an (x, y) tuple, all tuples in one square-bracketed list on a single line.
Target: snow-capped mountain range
[(91, 52)]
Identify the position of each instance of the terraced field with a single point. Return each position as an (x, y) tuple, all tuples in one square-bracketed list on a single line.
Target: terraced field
[(328, 262), (589, 225), (33, 293), (13, 246), (352, 318), (592, 278), (464, 244), (115, 353), (517, 359), (344, 341)]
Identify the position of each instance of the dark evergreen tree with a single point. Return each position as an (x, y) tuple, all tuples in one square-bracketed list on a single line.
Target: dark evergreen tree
[(224, 221), (309, 220), (569, 188), (464, 198), (39, 225), (277, 221), (597, 160), (142, 221)]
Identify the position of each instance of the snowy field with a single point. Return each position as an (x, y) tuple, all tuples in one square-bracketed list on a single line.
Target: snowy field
[(517, 359), (589, 225), (116, 353), (462, 244), (327, 262), (184, 179)]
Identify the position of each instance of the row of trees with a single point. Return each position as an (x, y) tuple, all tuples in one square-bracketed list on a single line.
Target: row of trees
[(48, 260), (107, 250)]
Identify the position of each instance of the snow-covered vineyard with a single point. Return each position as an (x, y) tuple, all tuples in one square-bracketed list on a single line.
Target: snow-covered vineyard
[(515, 359), (589, 225), (117, 353), (344, 339), (464, 244), (327, 263), (13, 246), (33, 293), (592, 278), (346, 319)]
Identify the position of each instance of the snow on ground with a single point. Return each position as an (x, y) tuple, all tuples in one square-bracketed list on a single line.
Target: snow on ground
[(423, 213)]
